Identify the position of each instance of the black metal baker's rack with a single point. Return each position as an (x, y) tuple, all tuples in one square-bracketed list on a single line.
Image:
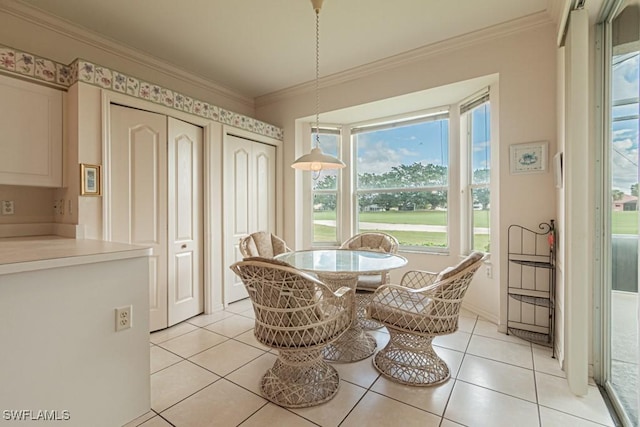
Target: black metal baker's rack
[(531, 283)]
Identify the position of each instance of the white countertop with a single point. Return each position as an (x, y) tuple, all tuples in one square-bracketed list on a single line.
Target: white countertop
[(18, 254)]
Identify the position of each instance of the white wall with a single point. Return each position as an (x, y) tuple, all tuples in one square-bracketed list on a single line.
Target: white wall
[(525, 59)]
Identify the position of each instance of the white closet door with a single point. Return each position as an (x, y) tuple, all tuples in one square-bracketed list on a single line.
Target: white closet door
[(185, 267), (249, 201), (138, 203)]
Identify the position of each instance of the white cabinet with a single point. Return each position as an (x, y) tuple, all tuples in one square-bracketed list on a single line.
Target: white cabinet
[(30, 134)]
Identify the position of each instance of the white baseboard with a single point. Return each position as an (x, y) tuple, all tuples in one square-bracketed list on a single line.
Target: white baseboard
[(491, 317)]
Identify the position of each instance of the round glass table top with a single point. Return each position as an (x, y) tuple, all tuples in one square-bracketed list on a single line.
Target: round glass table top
[(342, 261)]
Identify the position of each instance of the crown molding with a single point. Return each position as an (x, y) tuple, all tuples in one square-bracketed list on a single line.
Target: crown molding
[(505, 29), (50, 22)]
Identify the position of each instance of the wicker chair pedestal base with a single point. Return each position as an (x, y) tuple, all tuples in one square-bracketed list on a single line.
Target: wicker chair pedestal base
[(300, 379), (363, 298), (352, 346), (410, 359)]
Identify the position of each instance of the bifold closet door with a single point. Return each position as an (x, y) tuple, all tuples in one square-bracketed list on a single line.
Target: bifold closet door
[(249, 201), (185, 276), (156, 201)]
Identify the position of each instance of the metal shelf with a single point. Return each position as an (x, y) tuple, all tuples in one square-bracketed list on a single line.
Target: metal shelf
[(541, 302), (534, 337), (539, 264)]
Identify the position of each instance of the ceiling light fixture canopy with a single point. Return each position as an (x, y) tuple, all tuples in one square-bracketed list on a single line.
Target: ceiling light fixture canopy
[(316, 160)]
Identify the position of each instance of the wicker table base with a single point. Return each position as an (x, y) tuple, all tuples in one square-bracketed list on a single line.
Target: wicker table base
[(355, 344)]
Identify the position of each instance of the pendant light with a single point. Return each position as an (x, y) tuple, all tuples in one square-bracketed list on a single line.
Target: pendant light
[(316, 160)]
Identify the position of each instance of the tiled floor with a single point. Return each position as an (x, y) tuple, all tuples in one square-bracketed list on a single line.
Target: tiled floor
[(205, 372)]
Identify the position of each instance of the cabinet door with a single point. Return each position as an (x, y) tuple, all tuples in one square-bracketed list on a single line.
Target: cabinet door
[(31, 137)]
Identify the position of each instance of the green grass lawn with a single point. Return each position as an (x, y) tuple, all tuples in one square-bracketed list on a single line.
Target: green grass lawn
[(622, 223), (481, 218)]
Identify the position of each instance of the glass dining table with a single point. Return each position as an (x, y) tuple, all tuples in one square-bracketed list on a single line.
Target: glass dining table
[(341, 267)]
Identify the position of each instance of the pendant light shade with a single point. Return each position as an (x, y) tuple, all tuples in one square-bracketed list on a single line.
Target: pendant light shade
[(316, 160)]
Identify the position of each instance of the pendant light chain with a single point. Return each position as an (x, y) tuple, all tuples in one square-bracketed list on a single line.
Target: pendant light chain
[(317, 77)]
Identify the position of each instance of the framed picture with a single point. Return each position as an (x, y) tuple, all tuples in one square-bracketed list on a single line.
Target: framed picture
[(90, 180), (557, 169), (530, 157)]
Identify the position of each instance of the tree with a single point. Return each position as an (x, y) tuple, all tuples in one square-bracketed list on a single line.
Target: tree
[(617, 194), (634, 189), (481, 195)]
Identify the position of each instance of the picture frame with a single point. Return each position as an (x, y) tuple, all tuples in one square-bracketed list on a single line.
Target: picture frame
[(90, 180), (557, 169), (530, 157)]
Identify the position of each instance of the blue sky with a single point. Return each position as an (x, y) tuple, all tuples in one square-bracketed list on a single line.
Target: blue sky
[(624, 153), (426, 143)]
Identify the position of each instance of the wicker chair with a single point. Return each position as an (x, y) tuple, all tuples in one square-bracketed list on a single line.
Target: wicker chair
[(298, 315), (262, 244), (424, 306), (368, 283)]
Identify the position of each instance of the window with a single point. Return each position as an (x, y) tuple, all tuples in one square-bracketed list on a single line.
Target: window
[(325, 191), (402, 179), (478, 115)]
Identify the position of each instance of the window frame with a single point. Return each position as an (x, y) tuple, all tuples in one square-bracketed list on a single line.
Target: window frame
[(467, 107)]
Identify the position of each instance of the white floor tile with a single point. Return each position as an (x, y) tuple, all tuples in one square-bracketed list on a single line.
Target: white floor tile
[(161, 358), (377, 410), (239, 306), (507, 352), (432, 399), (274, 415), (220, 404), (477, 406), (498, 376), (193, 342), (226, 357), (176, 382), (448, 423), (543, 362), (207, 319), (553, 392), (172, 332), (466, 324), (249, 338), (490, 330), (452, 358), (156, 422), (249, 375), (552, 418), (141, 419), (457, 341), (361, 373), (331, 413), (232, 326)]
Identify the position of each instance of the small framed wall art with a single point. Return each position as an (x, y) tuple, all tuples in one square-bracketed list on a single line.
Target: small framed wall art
[(530, 157), (90, 180)]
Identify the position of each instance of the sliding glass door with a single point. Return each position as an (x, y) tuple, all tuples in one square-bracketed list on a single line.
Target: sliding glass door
[(620, 209)]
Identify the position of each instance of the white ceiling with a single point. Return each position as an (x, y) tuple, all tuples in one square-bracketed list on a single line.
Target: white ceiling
[(256, 47)]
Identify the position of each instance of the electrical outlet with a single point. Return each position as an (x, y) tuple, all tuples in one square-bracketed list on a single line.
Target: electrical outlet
[(489, 270), (123, 318), (7, 207)]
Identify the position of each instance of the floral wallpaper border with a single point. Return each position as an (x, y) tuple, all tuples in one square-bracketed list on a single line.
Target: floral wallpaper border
[(46, 70)]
